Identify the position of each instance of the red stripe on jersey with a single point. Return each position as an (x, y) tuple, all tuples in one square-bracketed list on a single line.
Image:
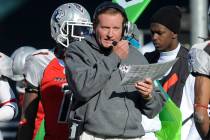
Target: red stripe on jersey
[(10, 101), (170, 82)]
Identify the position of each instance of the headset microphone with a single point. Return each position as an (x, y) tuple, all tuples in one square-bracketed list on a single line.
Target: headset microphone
[(114, 43), (134, 42)]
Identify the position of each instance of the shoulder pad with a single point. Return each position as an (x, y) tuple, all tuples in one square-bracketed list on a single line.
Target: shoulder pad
[(6, 66)]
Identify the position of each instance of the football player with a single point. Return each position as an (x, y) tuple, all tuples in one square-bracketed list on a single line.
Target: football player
[(8, 103), (45, 74), (199, 61), (19, 57)]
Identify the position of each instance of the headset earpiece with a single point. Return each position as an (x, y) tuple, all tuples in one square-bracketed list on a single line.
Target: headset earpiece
[(128, 28)]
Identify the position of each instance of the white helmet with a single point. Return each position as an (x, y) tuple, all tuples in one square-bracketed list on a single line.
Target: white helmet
[(70, 22), (19, 57), (6, 66)]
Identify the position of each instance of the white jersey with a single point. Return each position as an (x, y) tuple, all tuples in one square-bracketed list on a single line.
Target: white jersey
[(45, 73), (6, 66), (188, 131), (8, 105), (199, 58), (35, 65)]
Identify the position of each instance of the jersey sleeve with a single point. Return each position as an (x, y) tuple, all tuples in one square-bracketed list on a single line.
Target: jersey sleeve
[(35, 66), (8, 103), (199, 59)]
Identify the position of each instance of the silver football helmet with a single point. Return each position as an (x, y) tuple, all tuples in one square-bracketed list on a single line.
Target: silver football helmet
[(70, 22), (19, 57)]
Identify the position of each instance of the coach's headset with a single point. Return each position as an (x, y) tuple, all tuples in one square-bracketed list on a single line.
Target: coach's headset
[(108, 4)]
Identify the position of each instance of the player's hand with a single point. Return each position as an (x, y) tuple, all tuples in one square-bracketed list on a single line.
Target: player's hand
[(145, 88), (121, 49)]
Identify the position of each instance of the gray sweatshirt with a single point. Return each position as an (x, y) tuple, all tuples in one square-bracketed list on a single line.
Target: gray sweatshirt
[(107, 108)]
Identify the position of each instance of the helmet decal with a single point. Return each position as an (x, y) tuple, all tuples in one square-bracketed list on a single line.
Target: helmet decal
[(59, 13), (79, 7)]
